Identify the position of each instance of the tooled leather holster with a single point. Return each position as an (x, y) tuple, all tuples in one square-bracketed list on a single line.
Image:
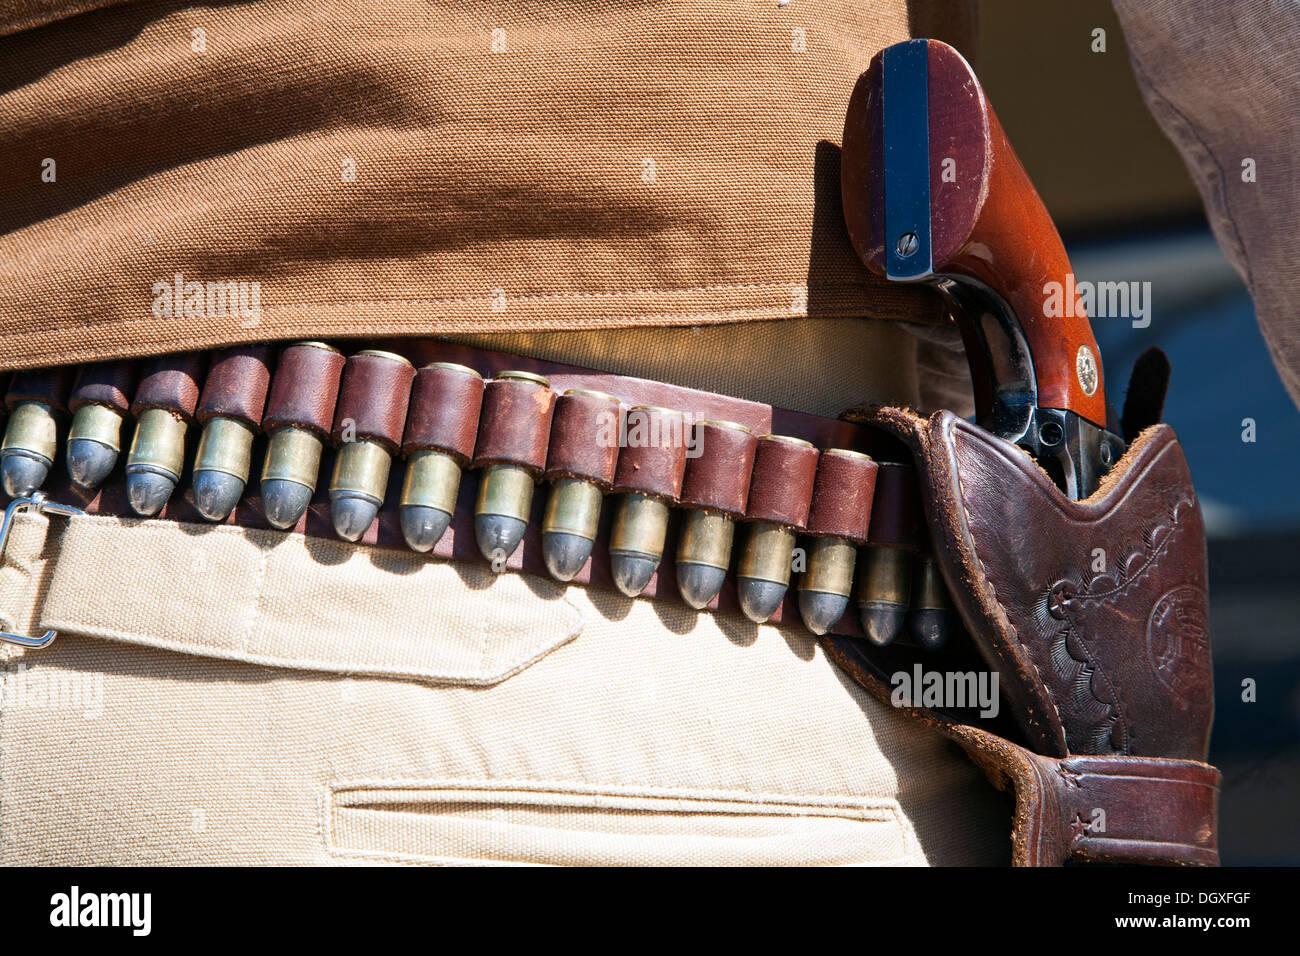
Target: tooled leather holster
[(1094, 614)]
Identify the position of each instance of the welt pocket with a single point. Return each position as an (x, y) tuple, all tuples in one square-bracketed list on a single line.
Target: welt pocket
[(566, 823)]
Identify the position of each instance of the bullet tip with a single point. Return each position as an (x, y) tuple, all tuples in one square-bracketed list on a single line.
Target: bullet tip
[(881, 622), (216, 494), (699, 583), (423, 526), (565, 554), (148, 490), (821, 609), (22, 474), (284, 501), (498, 535), (632, 571), (759, 599), (89, 462), (930, 627), (352, 515)]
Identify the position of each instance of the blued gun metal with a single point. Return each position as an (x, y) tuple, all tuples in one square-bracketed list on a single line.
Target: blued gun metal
[(933, 193)]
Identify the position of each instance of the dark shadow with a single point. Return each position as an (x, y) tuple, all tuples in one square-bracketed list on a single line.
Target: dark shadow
[(838, 281), (32, 54)]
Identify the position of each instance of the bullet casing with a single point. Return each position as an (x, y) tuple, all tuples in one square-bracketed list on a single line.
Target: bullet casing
[(886, 576), (929, 593), (97, 423), (830, 567), (706, 538), (361, 468), (767, 553), (32, 430), (505, 490), (573, 507), (226, 445), (432, 480), (293, 454), (158, 442), (640, 526)]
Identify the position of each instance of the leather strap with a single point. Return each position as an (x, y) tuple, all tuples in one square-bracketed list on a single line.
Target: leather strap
[(717, 478), (781, 486), (307, 380), (581, 443), (1092, 809), (902, 525), (842, 497), (515, 426), (654, 460)]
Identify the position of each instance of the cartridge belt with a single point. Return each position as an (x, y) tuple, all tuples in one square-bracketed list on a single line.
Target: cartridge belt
[(835, 486), (1107, 673)]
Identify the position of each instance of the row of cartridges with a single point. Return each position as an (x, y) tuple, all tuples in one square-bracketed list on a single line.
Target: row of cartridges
[(375, 406)]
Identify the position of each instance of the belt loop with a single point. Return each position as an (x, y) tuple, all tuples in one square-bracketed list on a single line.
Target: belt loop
[(41, 505)]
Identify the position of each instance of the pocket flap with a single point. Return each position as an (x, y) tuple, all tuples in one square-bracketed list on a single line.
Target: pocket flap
[(286, 600)]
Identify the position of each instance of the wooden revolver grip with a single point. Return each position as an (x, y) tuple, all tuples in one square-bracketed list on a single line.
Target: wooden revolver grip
[(984, 222)]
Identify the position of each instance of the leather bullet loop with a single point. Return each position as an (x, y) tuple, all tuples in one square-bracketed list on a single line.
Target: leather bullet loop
[(842, 494), (781, 484), (897, 520), (446, 402), (515, 426), (652, 460), (305, 390), (111, 384), (236, 385), (584, 437), (50, 387), (373, 399), (718, 477), (170, 382)]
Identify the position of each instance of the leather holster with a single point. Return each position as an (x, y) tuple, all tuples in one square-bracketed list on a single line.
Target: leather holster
[(1094, 616)]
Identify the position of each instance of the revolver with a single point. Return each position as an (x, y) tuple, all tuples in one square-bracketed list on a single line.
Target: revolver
[(934, 193)]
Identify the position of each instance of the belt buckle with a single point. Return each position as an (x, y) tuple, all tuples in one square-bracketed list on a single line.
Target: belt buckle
[(39, 503)]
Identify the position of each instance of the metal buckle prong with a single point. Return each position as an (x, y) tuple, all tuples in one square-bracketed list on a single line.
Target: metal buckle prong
[(41, 505)]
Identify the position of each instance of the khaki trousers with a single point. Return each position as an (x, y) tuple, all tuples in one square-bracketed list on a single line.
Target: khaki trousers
[(220, 695)]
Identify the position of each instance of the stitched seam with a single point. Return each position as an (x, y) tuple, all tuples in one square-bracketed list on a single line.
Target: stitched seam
[(254, 615), (304, 663), (555, 297), (991, 591)]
